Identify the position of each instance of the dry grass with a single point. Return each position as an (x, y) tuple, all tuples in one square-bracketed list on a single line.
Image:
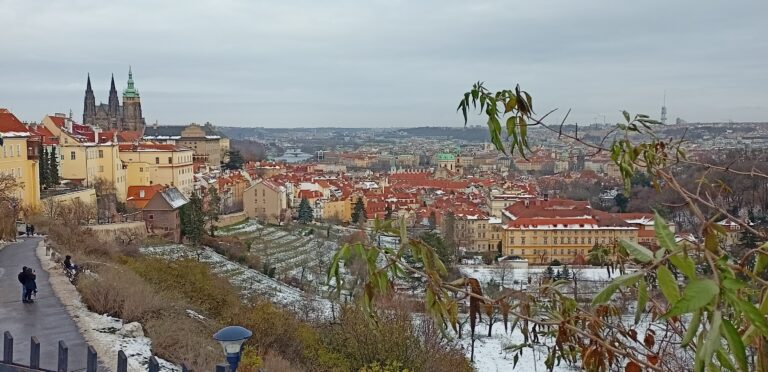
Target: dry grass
[(122, 294), (184, 340)]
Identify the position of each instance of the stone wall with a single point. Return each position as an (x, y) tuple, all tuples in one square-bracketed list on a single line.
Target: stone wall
[(120, 231), (229, 219)]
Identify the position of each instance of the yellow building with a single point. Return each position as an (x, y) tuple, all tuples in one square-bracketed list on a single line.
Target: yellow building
[(544, 230), (337, 209), (167, 165), (19, 157), (87, 155), (266, 201)]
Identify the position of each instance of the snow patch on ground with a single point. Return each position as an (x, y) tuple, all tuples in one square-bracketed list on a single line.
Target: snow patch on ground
[(100, 331)]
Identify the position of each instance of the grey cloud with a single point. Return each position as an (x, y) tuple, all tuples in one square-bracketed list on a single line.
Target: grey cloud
[(382, 63)]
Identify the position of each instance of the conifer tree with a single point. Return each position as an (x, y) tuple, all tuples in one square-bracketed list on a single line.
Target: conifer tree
[(305, 212), (193, 220), (213, 210), (53, 167), (358, 214), (43, 167)]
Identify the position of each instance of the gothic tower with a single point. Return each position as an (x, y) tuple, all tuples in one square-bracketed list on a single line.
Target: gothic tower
[(115, 116), (89, 107), (132, 118)]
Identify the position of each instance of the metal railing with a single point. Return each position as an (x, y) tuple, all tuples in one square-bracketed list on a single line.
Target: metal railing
[(7, 364)]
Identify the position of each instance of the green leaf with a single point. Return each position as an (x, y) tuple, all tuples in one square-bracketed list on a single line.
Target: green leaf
[(642, 299), (663, 233), (668, 284), (510, 104), (735, 344), (693, 328), (637, 251), (711, 344), (725, 362), (613, 286), (752, 314), (685, 264), (696, 295), (626, 116)]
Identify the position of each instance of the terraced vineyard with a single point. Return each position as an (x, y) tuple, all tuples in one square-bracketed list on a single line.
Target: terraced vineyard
[(298, 255), (251, 282)]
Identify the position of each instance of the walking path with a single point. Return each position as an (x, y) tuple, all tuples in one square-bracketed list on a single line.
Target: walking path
[(47, 318)]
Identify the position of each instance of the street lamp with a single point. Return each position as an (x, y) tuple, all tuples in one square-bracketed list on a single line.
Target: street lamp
[(231, 339)]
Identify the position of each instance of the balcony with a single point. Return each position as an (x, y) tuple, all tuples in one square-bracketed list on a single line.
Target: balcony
[(33, 148)]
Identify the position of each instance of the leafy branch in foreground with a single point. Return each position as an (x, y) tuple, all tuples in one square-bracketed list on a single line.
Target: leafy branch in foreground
[(695, 304)]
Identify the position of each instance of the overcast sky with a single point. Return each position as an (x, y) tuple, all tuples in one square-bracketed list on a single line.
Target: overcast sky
[(386, 63)]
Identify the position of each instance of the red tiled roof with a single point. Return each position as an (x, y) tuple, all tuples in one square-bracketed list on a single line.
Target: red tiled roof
[(10, 123), (57, 120)]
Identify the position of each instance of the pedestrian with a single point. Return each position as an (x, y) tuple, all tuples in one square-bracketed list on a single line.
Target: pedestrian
[(30, 285), (26, 226), (22, 277), (32, 229)]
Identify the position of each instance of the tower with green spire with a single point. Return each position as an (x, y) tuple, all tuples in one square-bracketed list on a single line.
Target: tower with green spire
[(132, 116)]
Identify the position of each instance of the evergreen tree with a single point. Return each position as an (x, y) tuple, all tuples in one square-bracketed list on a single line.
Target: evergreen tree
[(549, 273), (193, 220), (388, 216), (43, 167), (306, 214), (565, 274), (622, 202), (432, 220), (236, 160), (213, 210), (53, 167), (358, 214)]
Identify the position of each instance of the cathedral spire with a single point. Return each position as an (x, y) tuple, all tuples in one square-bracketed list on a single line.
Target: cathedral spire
[(114, 105), (89, 103)]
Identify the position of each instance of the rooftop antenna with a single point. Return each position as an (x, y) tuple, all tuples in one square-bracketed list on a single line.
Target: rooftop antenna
[(663, 118)]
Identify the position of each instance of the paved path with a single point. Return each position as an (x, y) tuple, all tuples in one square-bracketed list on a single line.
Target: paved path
[(46, 318)]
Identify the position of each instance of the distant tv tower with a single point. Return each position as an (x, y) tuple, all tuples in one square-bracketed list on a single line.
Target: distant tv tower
[(663, 119)]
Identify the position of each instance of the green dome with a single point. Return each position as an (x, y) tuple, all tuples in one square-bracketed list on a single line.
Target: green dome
[(130, 91), (446, 157)]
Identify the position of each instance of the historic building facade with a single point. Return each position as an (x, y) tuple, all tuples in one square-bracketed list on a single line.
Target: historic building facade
[(113, 115)]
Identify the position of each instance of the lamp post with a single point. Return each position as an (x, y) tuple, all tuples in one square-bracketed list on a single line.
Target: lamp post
[(231, 339)]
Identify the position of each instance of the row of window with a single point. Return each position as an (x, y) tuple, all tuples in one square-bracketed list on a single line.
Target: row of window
[(8, 151), (180, 159)]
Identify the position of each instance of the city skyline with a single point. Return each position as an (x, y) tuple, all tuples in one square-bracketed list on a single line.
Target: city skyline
[(390, 64)]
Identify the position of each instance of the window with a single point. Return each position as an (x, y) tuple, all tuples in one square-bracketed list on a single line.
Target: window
[(101, 154), (157, 160), (141, 169), (101, 168), (71, 155), (545, 240), (151, 217), (170, 160)]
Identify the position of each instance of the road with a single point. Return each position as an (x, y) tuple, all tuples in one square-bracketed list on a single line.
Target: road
[(47, 318)]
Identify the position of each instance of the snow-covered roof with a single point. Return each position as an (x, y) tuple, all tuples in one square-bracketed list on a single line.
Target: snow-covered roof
[(174, 197)]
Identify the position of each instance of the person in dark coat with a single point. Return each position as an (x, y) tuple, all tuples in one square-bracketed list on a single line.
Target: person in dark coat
[(22, 277), (30, 285), (32, 230)]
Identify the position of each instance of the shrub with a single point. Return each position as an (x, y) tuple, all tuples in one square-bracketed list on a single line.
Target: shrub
[(121, 294), (191, 281), (178, 338), (234, 249)]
